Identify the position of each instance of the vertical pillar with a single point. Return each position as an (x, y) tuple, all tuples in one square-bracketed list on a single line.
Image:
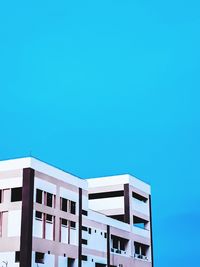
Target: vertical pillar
[(80, 229), (108, 245), (151, 231), (27, 218), (126, 204)]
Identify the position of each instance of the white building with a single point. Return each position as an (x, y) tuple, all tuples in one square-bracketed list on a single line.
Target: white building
[(51, 218)]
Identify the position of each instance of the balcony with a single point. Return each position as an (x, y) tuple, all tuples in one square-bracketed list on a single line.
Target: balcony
[(140, 231), (140, 206)]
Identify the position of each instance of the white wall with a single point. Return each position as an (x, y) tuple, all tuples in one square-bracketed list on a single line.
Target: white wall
[(44, 186), (64, 234), (37, 227), (62, 261), (14, 223), (11, 183), (107, 203), (8, 257), (96, 240), (49, 231), (74, 236), (68, 194)]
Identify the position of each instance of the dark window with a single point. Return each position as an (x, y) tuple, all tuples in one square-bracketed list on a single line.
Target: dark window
[(49, 218), (17, 256), (137, 248), (39, 196), (89, 231), (1, 196), (115, 242), (141, 249), (122, 245), (64, 222), (84, 228), (39, 257), (84, 212), (139, 197), (106, 194), (73, 224), (16, 194), (49, 200), (73, 207), (84, 258), (63, 204), (38, 215), (105, 235), (84, 241)]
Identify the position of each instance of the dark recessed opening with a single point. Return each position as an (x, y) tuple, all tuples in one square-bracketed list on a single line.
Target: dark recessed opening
[(38, 215), (49, 200), (73, 207), (106, 194), (73, 224), (16, 194), (17, 256), (39, 196), (84, 212), (64, 222), (63, 204), (39, 257), (139, 197)]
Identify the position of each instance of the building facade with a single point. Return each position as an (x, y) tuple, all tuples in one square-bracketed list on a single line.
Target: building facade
[(51, 218)]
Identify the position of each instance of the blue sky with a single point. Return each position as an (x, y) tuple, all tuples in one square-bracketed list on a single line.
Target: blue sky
[(109, 87)]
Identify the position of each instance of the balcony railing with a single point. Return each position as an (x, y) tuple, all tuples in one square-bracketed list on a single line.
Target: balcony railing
[(118, 251), (141, 257)]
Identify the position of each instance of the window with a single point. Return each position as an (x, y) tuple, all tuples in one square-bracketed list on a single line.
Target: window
[(119, 243), (39, 194), (115, 242), (1, 196), (38, 215), (64, 222), (84, 228), (139, 197), (122, 245), (63, 204), (84, 212), (73, 207), (16, 194), (84, 241), (49, 218), (84, 258), (73, 224), (17, 256), (106, 194), (89, 231), (39, 257), (49, 199), (105, 235), (141, 250)]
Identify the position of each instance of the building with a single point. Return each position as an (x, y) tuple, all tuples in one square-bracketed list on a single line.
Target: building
[(51, 218)]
